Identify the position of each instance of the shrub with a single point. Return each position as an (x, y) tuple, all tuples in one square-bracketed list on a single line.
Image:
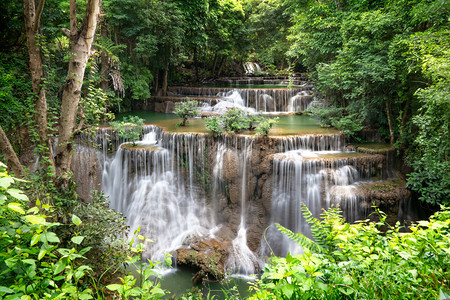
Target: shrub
[(356, 261), (265, 125), (186, 109), (236, 120), (130, 129)]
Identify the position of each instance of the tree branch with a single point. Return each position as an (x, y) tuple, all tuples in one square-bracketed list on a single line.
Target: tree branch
[(73, 19), (66, 32), (37, 18)]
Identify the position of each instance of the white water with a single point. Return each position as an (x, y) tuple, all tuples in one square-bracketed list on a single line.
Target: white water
[(300, 176), (151, 190), (251, 68), (242, 260)]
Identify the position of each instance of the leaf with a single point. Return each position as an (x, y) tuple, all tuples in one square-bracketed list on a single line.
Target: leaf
[(113, 287), (59, 266), (288, 290), (275, 276), (35, 239), (158, 292), (76, 220), (77, 239), (35, 219), (16, 207), (18, 194), (5, 182), (41, 254), (4, 289), (52, 237)]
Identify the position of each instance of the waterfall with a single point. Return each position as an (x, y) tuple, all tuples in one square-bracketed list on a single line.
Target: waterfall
[(303, 176), (149, 186), (181, 187), (243, 260), (258, 99)]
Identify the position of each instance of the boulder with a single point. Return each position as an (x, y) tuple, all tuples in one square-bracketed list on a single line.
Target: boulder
[(206, 256)]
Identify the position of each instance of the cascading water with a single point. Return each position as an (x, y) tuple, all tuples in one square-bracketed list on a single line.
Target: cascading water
[(150, 188), (243, 260), (268, 100), (304, 176)]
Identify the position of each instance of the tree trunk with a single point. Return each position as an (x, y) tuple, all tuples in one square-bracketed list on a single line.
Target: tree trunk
[(11, 156), (104, 60), (81, 42), (388, 114), (197, 76), (156, 83), (214, 65), (222, 63), (32, 24), (165, 78)]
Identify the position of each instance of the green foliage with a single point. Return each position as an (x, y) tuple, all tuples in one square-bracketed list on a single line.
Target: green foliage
[(429, 152), (147, 287), (15, 91), (130, 129), (265, 125), (32, 264), (186, 109), (95, 106), (356, 261), (235, 120), (215, 124)]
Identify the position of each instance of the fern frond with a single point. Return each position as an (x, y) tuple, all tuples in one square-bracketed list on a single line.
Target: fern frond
[(301, 239)]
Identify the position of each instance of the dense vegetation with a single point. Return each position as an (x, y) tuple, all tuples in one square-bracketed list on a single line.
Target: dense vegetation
[(380, 65)]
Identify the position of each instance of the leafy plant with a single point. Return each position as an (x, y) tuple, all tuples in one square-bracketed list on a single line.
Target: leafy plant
[(146, 288), (130, 129), (265, 125), (185, 110), (236, 120), (357, 261)]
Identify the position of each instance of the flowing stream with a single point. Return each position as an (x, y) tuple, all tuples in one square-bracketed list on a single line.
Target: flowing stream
[(178, 187)]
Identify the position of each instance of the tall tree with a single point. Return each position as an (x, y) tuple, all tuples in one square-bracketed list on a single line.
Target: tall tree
[(80, 47), (11, 157), (32, 25)]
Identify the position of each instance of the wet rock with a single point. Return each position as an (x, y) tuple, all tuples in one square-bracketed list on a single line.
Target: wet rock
[(230, 166), (206, 257)]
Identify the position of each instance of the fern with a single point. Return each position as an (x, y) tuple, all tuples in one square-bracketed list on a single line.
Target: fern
[(301, 239), (322, 230)]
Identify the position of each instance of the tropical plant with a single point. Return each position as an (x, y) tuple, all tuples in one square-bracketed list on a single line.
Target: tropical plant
[(265, 125), (358, 261), (185, 110), (129, 129)]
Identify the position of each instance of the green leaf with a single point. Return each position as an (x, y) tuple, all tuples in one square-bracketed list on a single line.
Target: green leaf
[(41, 254), (52, 237), (4, 289), (18, 194), (288, 290), (16, 207), (275, 276), (113, 287), (35, 239), (35, 219), (59, 266), (76, 220), (5, 182), (77, 239)]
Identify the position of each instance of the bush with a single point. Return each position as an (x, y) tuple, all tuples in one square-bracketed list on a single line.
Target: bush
[(236, 120), (357, 261), (130, 129), (265, 125), (186, 109)]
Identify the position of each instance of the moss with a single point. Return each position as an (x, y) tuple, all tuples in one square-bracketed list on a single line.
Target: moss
[(374, 147), (385, 186)]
